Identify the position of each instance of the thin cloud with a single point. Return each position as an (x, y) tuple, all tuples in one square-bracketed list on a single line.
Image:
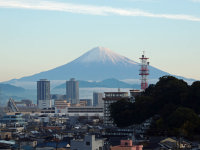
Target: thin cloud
[(89, 9), (195, 1)]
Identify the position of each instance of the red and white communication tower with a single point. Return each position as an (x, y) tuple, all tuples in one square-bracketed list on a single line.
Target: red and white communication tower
[(144, 71)]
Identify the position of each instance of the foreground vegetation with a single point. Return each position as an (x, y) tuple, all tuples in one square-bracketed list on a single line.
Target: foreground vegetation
[(172, 103)]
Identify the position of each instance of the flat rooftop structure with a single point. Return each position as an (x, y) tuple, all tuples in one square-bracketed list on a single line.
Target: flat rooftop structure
[(116, 94), (43, 80), (86, 109), (136, 92)]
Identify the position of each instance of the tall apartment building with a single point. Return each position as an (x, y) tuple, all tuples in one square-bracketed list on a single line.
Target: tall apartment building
[(97, 99), (72, 91), (112, 97), (43, 94)]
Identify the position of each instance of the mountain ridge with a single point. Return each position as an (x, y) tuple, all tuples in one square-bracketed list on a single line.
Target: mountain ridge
[(97, 64), (107, 83), (7, 88)]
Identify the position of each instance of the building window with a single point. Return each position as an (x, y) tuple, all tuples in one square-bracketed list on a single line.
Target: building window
[(87, 143)]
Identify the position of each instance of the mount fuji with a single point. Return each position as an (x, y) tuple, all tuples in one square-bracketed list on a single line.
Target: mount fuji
[(97, 64)]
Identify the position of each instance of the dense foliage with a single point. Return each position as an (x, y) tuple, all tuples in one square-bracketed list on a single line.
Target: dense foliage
[(172, 103)]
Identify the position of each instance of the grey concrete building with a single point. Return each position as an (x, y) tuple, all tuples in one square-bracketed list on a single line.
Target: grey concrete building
[(88, 143), (43, 93), (97, 99), (72, 91)]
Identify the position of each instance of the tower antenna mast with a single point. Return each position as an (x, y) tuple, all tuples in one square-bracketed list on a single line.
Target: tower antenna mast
[(144, 71)]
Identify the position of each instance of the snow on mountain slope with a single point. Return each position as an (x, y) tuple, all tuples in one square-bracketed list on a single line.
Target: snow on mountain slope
[(104, 55), (97, 64)]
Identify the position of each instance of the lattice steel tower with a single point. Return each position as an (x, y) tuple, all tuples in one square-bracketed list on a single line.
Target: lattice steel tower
[(144, 71)]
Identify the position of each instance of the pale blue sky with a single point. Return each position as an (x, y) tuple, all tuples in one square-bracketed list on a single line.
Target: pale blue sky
[(38, 35)]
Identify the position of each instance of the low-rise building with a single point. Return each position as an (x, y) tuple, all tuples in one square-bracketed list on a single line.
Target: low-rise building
[(23, 106), (13, 120), (127, 145), (85, 111), (170, 143), (61, 106), (85, 102), (7, 145), (48, 110), (88, 143), (45, 104), (4, 135)]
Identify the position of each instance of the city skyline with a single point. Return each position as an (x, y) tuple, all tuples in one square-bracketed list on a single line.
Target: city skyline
[(40, 35)]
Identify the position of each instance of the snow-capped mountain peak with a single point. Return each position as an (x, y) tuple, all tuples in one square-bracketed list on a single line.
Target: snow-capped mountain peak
[(97, 64), (105, 55)]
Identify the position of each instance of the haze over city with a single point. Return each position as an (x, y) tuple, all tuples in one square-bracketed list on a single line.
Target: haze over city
[(40, 35)]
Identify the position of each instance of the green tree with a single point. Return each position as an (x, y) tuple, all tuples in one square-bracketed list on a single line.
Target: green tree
[(183, 121), (194, 97), (121, 113), (172, 104)]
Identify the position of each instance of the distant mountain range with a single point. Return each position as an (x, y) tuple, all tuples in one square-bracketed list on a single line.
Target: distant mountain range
[(7, 88), (108, 83), (97, 64), (7, 91), (18, 93), (100, 65)]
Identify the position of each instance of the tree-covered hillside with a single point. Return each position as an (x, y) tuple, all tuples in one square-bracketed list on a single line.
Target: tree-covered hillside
[(173, 104)]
